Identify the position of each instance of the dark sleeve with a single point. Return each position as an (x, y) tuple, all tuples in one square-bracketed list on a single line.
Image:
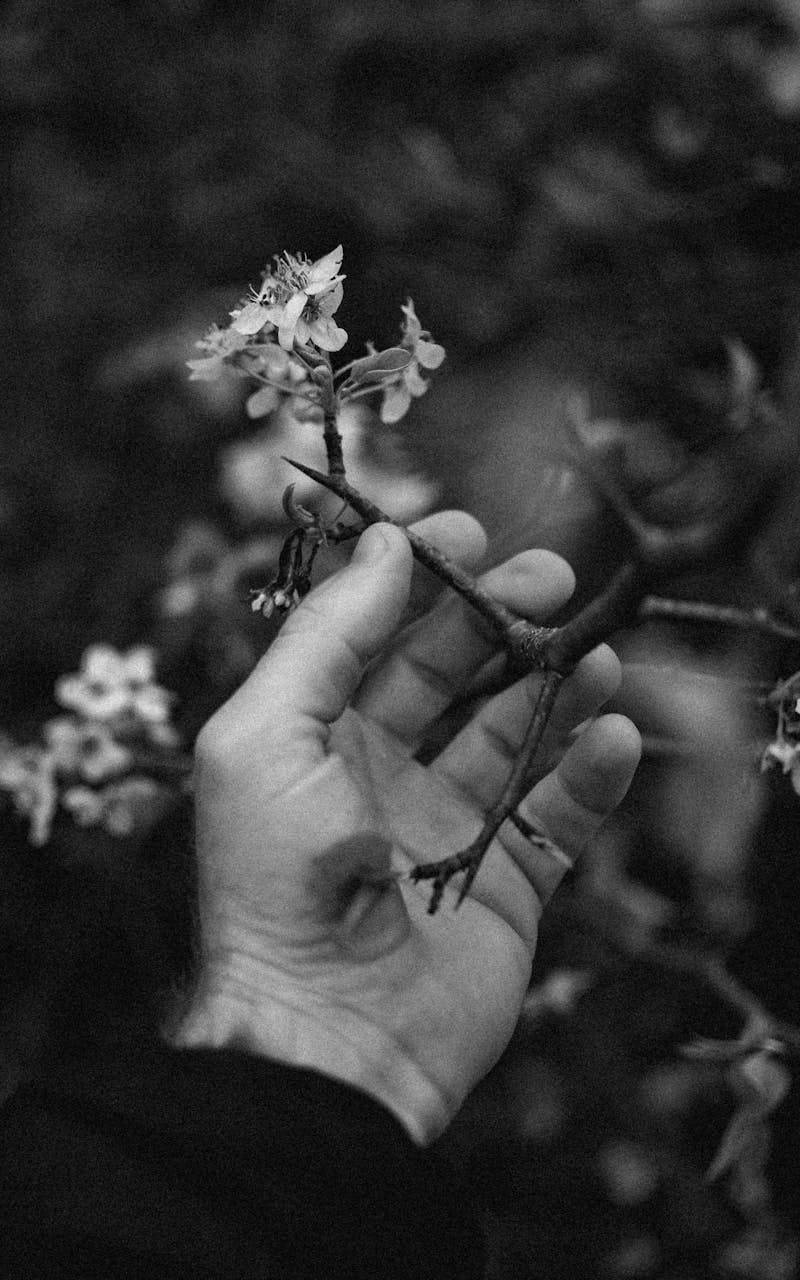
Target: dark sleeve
[(219, 1164)]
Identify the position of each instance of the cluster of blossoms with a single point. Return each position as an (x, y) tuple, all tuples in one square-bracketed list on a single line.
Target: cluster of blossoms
[(100, 764), (784, 750), (282, 337), (283, 334)]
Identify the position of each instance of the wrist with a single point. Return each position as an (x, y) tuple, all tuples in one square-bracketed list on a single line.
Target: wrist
[(295, 1026)]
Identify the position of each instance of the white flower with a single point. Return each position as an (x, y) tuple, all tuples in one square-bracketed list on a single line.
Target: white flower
[(300, 299), (28, 775), (84, 805), (88, 750), (409, 382), (112, 685), (272, 362), (787, 755), (122, 808), (218, 344)]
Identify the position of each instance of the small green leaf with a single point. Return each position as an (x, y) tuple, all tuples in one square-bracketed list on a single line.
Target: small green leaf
[(375, 368), (743, 1138), (766, 1077)]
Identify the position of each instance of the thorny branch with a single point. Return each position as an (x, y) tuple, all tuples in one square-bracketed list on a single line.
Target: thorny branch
[(501, 619), (654, 608), (655, 553)]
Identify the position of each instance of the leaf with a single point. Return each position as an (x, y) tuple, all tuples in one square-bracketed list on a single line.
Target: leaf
[(766, 1079), (762, 1083), (378, 366), (743, 371), (295, 512), (743, 1137)]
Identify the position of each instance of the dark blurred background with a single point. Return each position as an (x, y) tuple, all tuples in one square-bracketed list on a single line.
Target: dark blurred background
[(600, 194)]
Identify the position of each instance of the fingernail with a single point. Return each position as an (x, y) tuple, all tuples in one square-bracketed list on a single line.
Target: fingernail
[(371, 546)]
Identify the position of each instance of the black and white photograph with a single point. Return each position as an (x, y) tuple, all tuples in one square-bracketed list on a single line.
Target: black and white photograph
[(400, 640)]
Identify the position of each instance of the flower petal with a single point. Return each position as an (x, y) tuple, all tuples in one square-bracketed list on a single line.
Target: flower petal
[(276, 360), (84, 805), (411, 325), (416, 384), (327, 335), (324, 269), (152, 704), (262, 402), (207, 369), (140, 664), (103, 663), (314, 290), (396, 402), (292, 312), (330, 302), (429, 354), (251, 318)]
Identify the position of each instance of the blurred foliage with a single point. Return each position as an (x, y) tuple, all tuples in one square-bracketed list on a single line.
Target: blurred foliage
[(625, 170)]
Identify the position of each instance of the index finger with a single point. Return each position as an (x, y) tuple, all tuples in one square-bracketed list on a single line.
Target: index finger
[(434, 660)]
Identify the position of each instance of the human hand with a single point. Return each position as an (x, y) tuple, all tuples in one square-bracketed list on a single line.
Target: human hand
[(310, 801)]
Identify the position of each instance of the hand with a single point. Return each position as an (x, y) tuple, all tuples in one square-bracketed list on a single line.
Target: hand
[(309, 798)]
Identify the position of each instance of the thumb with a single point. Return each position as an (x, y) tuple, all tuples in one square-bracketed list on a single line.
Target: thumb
[(317, 660)]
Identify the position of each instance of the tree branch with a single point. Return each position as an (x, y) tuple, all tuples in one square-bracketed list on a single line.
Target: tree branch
[(515, 790), (513, 631), (657, 607), (596, 916), (655, 554)]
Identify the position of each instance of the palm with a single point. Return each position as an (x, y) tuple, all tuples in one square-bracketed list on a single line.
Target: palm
[(460, 969)]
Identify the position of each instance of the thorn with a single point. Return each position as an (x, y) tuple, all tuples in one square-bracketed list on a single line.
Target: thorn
[(436, 895), (319, 476), (469, 876)]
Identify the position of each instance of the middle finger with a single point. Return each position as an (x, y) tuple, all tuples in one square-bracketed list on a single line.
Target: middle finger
[(435, 658)]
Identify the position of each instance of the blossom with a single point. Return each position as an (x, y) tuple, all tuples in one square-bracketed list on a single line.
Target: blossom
[(218, 344), (28, 775), (88, 750), (84, 805), (274, 599), (299, 298), (272, 362), (111, 686), (787, 755), (409, 382), (122, 808)]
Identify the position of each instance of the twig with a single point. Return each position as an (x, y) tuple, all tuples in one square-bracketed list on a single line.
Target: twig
[(658, 607), (513, 631), (656, 552), (333, 442), (613, 608), (515, 790), (759, 1030)]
